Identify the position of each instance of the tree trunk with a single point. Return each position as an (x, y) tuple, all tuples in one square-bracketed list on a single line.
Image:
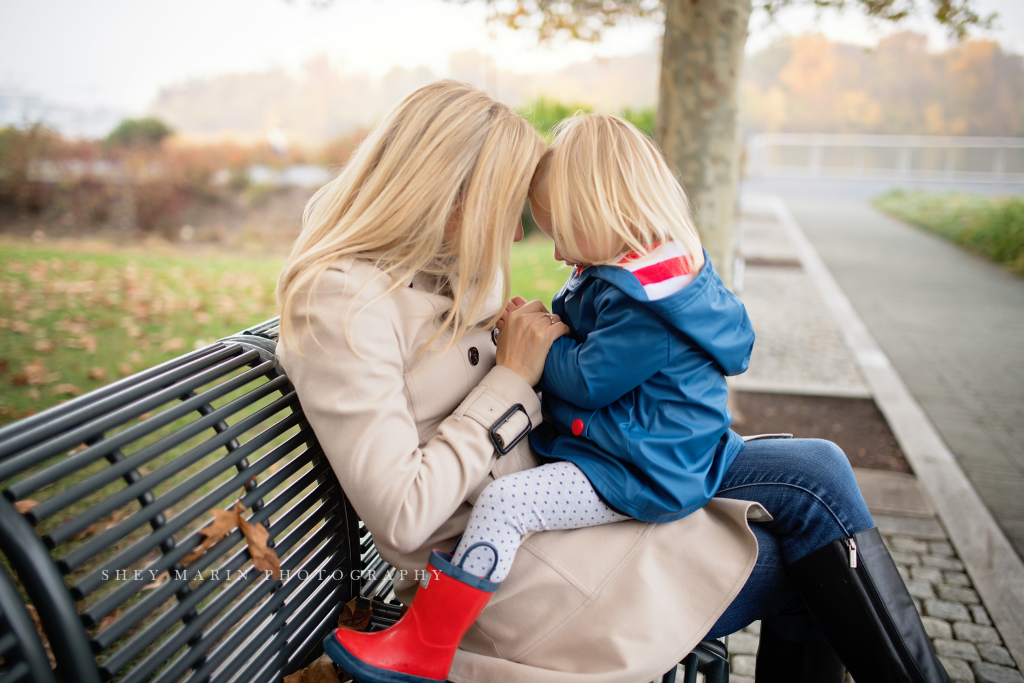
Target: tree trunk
[(697, 122)]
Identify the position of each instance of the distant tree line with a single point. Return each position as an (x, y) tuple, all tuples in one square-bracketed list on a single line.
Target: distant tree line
[(808, 84)]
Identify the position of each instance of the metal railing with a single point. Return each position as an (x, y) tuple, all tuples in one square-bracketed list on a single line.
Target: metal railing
[(886, 157)]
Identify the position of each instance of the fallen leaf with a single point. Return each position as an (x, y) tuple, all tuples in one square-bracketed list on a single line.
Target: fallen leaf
[(4, 365), (115, 517), (71, 326), (87, 532), (223, 522), (24, 506), (202, 317), (145, 416), (173, 344), (135, 357), (43, 346), (86, 341), (34, 373), (110, 618), (42, 636), (124, 369), (353, 617), (21, 327), (264, 559), (160, 579), (98, 373), (69, 389), (19, 379), (33, 394), (78, 449), (323, 670)]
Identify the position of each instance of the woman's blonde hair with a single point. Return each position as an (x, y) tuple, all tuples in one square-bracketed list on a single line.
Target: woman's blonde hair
[(447, 156), (607, 183)]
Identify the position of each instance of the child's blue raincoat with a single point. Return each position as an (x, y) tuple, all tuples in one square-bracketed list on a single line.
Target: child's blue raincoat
[(636, 396)]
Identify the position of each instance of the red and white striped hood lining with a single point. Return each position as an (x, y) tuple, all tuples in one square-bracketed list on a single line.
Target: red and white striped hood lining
[(662, 271)]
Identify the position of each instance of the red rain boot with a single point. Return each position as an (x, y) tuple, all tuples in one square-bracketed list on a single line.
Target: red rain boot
[(421, 646)]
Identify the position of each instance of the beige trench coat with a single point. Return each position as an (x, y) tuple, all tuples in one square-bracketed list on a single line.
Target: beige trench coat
[(406, 432)]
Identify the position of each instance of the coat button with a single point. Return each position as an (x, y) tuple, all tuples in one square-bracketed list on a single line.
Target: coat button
[(474, 355)]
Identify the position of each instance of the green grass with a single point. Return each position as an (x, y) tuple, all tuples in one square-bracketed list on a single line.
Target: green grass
[(68, 311), (990, 226), (535, 272), (72, 320)]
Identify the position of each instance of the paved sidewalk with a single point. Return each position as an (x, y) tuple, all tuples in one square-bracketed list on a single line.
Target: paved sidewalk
[(801, 349), (953, 327)]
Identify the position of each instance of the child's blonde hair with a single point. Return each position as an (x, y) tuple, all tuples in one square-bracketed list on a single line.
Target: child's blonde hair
[(447, 156), (606, 182)]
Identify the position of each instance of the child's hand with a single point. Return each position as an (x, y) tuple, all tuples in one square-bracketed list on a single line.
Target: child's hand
[(515, 304), (528, 333)]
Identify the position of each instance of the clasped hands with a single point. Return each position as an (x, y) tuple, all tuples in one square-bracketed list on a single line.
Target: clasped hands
[(527, 332)]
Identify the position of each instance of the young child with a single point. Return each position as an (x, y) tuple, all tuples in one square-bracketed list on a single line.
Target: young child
[(636, 423), (635, 417)]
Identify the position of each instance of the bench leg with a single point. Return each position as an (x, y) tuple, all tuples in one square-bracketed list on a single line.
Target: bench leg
[(690, 668), (717, 672)]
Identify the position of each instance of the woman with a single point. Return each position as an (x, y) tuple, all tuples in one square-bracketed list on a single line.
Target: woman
[(388, 302)]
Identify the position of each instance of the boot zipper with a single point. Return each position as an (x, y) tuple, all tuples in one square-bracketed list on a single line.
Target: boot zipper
[(852, 547)]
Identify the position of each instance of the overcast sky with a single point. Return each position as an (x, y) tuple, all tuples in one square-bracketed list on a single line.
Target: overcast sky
[(119, 53)]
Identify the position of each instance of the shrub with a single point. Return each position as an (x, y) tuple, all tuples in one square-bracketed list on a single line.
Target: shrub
[(544, 114), (144, 132), (643, 119), (991, 226)]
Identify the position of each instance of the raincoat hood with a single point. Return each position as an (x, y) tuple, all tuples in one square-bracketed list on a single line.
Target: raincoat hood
[(703, 310)]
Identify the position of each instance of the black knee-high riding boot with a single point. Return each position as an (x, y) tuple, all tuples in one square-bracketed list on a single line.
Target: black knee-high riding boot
[(783, 661), (856, 594)]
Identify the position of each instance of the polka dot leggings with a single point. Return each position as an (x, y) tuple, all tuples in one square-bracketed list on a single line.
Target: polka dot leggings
[(546, 498)]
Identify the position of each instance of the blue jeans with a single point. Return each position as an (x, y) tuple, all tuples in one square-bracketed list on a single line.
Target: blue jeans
[(808, 487)]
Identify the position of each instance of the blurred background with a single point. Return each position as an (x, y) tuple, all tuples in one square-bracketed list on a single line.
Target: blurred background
[(155, 158)]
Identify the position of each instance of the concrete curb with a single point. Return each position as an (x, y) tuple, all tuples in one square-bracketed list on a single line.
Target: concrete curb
[(763, 387), (994, 567)]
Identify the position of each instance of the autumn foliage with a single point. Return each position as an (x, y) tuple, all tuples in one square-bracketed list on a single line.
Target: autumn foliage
[(809, 84)]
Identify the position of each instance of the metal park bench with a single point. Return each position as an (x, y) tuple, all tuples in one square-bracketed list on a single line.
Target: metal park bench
[(104, 499)]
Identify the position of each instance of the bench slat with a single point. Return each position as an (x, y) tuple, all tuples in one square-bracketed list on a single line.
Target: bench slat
[(100, 449), (260, 589), (122, 467), (153, 483), (17, 437)]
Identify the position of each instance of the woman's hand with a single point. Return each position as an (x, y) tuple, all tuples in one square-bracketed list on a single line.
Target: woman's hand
[(527, 332), (516, 303)]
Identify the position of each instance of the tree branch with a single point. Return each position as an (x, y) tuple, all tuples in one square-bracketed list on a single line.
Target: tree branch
[(588, 19)]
